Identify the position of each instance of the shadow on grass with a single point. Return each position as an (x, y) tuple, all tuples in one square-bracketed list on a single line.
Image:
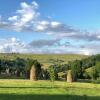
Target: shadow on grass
[(84, 80), (45, 87), (33, 87), (46, 97)]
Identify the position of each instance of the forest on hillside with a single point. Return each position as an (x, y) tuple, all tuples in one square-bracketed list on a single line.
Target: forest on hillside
[(29, 68)]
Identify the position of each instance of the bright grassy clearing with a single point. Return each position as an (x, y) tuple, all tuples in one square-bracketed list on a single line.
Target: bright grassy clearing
[(45, 90)]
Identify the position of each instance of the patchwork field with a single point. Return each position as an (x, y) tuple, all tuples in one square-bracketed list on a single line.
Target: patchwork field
[(46, 90)]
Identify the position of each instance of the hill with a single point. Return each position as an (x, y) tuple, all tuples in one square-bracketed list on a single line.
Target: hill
[(44, 58)]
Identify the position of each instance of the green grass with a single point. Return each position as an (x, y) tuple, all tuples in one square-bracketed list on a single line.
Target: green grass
[(45, 90), (45, 58)]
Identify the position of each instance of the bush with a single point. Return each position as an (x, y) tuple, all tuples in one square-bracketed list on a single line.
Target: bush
[(52, 73), (96, 81), (62, 75), (90, 73), (98, 68)]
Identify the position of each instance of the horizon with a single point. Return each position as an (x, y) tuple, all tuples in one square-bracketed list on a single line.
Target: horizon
[(50, 27)]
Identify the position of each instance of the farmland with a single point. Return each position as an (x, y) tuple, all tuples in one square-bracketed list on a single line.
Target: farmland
[(46, 90)]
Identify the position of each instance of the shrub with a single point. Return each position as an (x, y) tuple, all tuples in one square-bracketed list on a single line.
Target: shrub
[(52, 73), (90, 73), (98, 68)]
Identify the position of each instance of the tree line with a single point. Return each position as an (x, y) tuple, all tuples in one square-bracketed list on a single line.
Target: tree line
[(87, 68)]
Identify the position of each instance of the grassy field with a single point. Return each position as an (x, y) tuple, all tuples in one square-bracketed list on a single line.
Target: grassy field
[(45, 59), (46, 90)]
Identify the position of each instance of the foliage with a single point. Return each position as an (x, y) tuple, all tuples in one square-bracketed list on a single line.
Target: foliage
[(76, 69), (98, 68), (62, 75), (19, 65), (37, 66), (90, 73), (52, 73), (28, 64)]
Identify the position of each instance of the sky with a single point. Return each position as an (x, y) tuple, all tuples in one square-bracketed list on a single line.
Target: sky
[(50, 26)]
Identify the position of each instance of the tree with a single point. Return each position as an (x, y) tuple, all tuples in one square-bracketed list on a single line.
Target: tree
[(76, 69), (52, 73), (79, 68), (44, 74), (19, 64), (90, 73), (0, 66), (98, 68), (37, 66)]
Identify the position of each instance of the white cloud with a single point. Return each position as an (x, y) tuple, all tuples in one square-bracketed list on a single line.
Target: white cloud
[(0, 17), (55, 24), (24, 16), (27, 18), (98, 36), (13, 18), (46, 46), (12, 45), (41, 25), (13, 39), (35, 4)]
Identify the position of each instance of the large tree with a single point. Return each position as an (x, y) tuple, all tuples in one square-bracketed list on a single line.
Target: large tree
[(98, 69), (76, 69)]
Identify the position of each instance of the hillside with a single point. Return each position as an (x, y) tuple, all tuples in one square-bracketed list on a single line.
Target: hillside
[(45, 58)]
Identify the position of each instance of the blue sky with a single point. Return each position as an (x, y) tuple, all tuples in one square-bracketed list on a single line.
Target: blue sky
[(50, 26)]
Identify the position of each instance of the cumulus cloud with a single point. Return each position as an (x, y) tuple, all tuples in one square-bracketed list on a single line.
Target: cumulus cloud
[(27, 18), (12, 45)]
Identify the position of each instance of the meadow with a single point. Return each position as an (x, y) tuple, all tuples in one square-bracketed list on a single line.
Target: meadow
[(44, 59), (13, 87), (46, 90)]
